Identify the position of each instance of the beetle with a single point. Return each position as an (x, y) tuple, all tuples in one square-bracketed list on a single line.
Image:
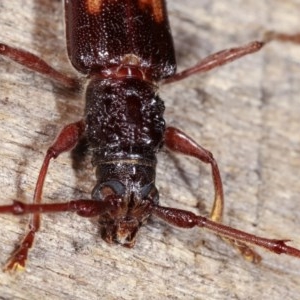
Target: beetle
[(124, 124)]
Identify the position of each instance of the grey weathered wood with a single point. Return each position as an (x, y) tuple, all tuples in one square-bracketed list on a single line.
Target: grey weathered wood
[(246, 113)]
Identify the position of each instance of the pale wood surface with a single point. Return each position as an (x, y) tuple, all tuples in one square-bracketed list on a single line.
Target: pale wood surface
[(246, 113)]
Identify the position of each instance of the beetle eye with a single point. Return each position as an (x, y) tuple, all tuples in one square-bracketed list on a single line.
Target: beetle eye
[(104, 189), (150, 192)]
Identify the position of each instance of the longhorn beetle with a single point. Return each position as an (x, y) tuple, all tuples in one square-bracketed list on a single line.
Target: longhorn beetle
[(124, 49)]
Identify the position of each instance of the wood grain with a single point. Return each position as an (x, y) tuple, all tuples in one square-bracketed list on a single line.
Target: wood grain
[(246, 113)]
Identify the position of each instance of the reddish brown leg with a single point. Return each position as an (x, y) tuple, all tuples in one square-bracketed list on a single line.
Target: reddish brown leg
[(228, 55), (83, 207), (282, 37), (178, 141), (36, 64), (216, 60), (186, 219), (65, 141)]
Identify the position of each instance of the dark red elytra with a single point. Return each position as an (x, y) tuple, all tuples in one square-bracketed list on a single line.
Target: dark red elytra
[(124, 50), (106, 34)]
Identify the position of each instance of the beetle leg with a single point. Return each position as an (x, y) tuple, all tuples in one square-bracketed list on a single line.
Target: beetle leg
[(178, 141), (65, 141), (228, 55), (282, 37), (33, 62), (83, 207), (186, 219), (216, 60)]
